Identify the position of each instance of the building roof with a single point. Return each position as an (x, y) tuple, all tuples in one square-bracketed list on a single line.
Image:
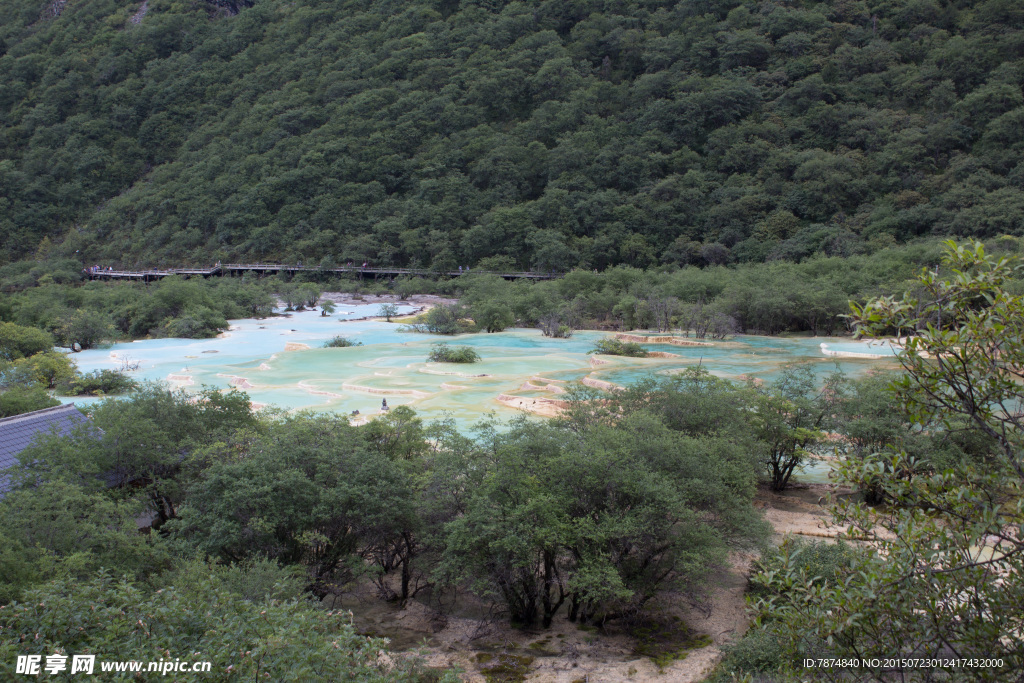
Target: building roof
[(19, 432)]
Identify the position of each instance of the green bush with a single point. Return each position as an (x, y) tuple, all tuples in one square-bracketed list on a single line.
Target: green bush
[(442, 353), (614, 347), (196, 323), (17, 341), (18, 400), (340, 342), (47, 370), (97, 383), (827, 562), (282, 640), (758, 652), (443, 319)]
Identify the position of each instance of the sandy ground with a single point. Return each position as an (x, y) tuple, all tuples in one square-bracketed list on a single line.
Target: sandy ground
[(802, 510), (799, 510)]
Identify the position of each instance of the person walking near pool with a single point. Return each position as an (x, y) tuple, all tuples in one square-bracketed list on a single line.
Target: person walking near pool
[(384, 405)]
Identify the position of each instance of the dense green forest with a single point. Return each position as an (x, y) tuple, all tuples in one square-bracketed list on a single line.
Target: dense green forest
[(547, 134)]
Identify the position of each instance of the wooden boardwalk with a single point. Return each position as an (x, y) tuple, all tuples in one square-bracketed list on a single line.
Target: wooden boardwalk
[(150, 274)]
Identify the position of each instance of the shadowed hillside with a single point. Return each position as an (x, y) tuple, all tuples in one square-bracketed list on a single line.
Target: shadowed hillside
[(543, 135)]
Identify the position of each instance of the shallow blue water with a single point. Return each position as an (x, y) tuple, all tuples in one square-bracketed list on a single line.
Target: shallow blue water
[(254, 352), (391, 364)]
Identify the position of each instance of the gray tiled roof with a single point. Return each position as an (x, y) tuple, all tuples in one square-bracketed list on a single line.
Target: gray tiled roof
[(17, 433)]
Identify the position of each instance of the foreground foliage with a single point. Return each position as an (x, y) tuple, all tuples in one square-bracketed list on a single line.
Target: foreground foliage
[(599, 519), (591, 517), (942, 576), (30, 369), (204, 619)]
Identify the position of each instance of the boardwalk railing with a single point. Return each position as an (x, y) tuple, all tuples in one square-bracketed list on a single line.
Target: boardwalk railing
[(149, 274)]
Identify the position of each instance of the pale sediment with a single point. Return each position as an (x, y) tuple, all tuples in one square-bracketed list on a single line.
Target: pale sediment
[(545, 407), (853, 354), (180, 379), (431, 371), (389, 392), (600, 384), (295, 346), (530, 386), (318, 392), (665, 339)]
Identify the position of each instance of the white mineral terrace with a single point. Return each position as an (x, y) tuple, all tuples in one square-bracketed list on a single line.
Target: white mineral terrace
[(281, 362)]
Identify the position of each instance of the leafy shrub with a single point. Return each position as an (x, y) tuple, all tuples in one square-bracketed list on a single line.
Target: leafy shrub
[(760, 652), (615, 347), (387, 311), (98, 383), (555, 324), (442, 353), (340, 342), (17, 341), (493, 316), (289, 640), (444, 319), (196, 323), (757, 652), (47, 370), (826, 562), (18, 400)]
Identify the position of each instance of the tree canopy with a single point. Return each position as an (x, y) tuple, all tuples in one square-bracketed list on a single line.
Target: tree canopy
[(539, 135), (940, 573)]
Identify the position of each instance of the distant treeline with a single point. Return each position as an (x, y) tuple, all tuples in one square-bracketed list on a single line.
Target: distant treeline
[(550, 135), (768, 298)]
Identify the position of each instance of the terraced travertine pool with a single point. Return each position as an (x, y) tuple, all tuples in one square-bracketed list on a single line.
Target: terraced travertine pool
[(280, 361), (270, 360)]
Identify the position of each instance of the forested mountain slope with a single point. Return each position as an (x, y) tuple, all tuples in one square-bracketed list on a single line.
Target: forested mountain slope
[(551, 134)]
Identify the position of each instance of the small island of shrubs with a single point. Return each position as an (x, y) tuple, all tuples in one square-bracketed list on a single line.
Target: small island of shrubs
[(442, 353), (614, 347), (340, 342)]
